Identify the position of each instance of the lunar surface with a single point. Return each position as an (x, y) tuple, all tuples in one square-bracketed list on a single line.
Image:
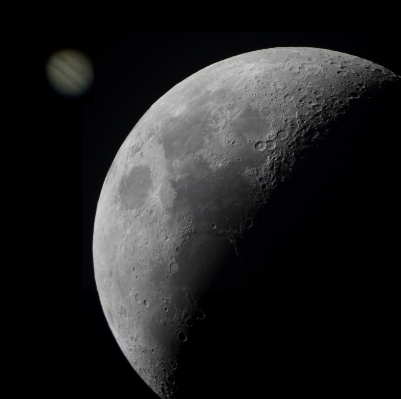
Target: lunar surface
[(252, 175)]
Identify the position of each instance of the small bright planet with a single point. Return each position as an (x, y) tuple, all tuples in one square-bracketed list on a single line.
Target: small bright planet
[(69, 72), (250, 176)]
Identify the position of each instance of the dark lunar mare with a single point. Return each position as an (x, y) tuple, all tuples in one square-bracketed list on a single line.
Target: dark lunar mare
[(329, 228)]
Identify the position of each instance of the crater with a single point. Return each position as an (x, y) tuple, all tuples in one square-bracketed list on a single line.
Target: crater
[(260, 146)]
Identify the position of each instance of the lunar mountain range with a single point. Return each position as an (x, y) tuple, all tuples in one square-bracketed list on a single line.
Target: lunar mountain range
[(261, 172)]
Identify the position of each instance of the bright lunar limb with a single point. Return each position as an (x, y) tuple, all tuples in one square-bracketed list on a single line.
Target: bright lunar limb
[(218, 188)]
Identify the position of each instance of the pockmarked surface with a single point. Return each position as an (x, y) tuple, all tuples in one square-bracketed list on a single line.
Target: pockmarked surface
[(191, 180)]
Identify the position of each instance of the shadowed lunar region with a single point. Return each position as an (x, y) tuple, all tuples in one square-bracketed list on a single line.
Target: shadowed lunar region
[(272, 170)]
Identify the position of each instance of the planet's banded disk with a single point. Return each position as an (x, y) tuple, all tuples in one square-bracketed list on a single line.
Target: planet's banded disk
[(258, 173), (69, 72)]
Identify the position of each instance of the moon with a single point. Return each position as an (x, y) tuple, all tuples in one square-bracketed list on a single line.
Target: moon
[(247, 177)]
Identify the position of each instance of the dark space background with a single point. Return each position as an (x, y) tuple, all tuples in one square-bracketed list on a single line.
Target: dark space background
[(350, 332)]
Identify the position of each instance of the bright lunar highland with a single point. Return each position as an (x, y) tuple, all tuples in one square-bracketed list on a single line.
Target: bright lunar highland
[(209, 193)]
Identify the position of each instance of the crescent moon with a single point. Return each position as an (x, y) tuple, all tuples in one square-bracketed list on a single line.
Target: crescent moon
[(206, 188)]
